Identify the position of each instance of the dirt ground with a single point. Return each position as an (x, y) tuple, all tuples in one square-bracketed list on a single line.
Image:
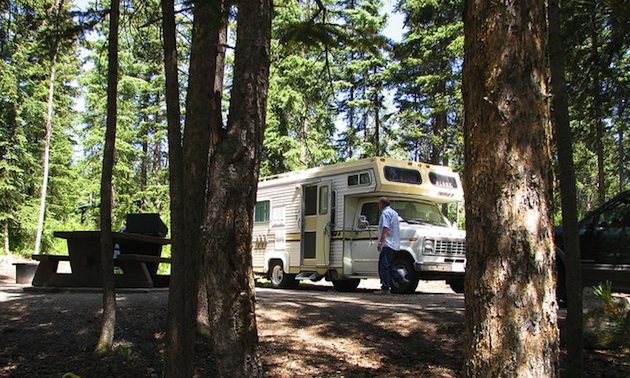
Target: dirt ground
[(309, 332)]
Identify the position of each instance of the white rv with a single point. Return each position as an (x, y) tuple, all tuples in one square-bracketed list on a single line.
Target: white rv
[(323, 223)]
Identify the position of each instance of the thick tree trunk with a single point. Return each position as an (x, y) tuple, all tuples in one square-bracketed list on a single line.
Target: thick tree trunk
[(106, 339), (571, 272), (203, 323), (510, 301), (232, 185), (203, 125)]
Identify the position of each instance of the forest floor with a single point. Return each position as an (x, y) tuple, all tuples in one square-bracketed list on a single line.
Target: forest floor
[(309, 332)]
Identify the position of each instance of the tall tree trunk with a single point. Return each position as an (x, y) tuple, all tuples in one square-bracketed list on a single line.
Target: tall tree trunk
[(145, 160), (380, 150), (46, 157), (571, 271), (597, 106), (57, 7), (511, 320), (622, 155), (440, 124), (351, 133), (232, 184), (203, 124), (106, 339), (179, 353)]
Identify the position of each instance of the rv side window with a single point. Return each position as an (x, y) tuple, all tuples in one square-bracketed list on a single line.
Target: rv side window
[(364, 178), (310, 200), (370, 210), (333, 206), (359, 179), (409, 176), (323, 200), (261, 211), (442, 180)]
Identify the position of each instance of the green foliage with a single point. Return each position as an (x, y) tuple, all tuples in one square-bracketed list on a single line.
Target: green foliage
[(125, 351), (603, 291)]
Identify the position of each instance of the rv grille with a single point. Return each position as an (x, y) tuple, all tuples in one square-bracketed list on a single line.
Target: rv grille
[(450, 247)]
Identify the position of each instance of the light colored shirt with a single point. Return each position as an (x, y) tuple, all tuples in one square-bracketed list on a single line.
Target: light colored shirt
[(389, 220)]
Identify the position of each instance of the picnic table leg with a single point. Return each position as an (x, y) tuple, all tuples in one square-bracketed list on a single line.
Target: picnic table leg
[(45, 272)]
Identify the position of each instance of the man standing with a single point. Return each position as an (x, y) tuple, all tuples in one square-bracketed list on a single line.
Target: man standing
[(388, 244)]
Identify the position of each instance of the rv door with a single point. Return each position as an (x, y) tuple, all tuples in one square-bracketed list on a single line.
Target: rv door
[(316, 225)]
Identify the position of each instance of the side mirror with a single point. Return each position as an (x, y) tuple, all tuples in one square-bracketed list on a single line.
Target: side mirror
[(363, 222)]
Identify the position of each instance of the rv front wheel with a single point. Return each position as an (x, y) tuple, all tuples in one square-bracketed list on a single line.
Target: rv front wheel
[(279, 279), (404, 266)]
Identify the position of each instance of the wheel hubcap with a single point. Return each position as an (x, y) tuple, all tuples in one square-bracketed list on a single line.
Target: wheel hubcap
[(277, 274), (403, 273)]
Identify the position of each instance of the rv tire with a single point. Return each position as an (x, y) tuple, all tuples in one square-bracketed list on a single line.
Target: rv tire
[(457, 285), (279, 279), (405, 267), (346, 285)]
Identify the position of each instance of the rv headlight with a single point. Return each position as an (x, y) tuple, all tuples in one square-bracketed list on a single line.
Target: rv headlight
[(429, 246)]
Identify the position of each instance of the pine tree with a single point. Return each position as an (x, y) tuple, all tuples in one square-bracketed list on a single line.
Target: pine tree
[(596, 49), (427, 78), (360, 80)]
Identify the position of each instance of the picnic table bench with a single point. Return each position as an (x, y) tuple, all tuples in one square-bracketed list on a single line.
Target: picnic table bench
[(137, 261)]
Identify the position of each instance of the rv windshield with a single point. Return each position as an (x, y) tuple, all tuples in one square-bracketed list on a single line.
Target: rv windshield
[(419, 212)]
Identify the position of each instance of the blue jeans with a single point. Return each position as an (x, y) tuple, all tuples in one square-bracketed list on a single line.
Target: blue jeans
[(386, 270)]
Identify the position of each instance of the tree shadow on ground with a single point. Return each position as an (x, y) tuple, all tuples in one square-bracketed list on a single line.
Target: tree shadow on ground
[(362, 334)]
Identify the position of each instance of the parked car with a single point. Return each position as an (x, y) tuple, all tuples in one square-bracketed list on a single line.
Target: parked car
[(604, 246)]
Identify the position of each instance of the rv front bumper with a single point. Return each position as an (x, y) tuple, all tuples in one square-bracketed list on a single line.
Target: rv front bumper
[(441, 267)]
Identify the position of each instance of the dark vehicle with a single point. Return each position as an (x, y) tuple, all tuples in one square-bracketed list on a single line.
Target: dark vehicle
[(604, 246)]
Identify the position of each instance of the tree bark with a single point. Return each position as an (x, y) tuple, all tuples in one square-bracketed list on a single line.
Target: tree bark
[(106, 339), (511, 320), (232, 184), (203, 322), (571, 271)]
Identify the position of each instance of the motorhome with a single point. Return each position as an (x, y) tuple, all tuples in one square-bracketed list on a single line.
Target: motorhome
[(322, 223)]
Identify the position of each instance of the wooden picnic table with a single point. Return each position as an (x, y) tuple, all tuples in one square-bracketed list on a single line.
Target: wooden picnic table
[(137, 261)]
